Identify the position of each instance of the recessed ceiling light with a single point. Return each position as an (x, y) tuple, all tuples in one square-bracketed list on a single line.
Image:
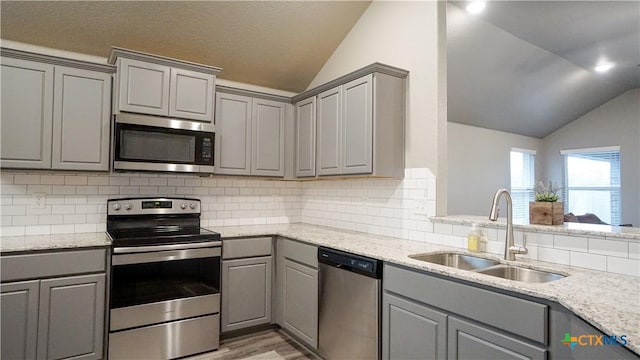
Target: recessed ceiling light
[(476, 7), (604, 66)]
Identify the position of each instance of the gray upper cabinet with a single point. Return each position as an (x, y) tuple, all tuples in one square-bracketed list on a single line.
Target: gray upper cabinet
[(81, 119), (232, 154), (55, 113), (191, 95), (267, 145), (250, 135), (27, 110), (329, 132), (157, 85), (305, 136), (143, 87), (19, 302), (359, 124)]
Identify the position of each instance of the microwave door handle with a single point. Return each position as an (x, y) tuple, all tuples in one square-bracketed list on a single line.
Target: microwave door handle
[(171, 255)]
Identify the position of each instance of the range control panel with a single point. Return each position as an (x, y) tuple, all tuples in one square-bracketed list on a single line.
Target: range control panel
[(150, 206)]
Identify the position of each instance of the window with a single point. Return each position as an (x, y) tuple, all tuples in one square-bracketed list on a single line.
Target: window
[(522, 181), (592, 182)]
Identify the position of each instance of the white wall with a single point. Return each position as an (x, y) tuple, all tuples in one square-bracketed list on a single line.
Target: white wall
[(406, 35), (616, 122), (479, 162)]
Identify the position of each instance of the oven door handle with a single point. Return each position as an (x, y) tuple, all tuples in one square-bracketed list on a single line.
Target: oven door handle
[(140, 249), (170, 255)]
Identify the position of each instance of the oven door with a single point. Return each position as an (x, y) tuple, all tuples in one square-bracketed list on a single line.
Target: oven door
[(155, 287), (159, 144)]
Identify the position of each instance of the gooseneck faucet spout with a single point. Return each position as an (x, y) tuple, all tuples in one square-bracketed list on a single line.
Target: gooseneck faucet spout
[(510, 250)]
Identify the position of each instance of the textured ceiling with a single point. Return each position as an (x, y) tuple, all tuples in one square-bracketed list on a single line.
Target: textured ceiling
[(277, 44), (527, 67)]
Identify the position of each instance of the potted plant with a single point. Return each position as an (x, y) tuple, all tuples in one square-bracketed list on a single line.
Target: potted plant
[(546, 210)]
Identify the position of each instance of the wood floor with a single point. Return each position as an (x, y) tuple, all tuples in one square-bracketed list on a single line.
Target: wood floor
[(266, 345)]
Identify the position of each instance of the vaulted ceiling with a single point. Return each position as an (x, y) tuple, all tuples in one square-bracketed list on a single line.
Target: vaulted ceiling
[(527, 67), (278, 44)]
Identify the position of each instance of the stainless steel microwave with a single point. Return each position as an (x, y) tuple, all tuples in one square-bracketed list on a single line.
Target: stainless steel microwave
[(149, 143)]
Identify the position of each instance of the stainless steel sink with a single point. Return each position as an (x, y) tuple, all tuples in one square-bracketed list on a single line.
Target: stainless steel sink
[(517, 273), (455, 260)]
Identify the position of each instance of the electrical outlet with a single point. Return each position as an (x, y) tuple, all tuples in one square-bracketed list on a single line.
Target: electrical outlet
[(420, 209), (40, 199)]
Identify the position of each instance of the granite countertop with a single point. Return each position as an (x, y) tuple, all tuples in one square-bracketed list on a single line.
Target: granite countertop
[(53, 242), (607, 301), (580, 229)]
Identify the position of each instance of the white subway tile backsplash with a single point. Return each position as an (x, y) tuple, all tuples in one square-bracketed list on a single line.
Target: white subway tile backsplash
[(554, 255), (634, 250), (26, 179), (388, 207), (623, 266), (573, 243), (591, 261), (38, 230), (75, 180), (608, 247)]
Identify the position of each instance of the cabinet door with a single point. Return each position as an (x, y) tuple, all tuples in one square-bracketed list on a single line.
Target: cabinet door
[(329, 132), (19, 302), (470, 341), (233, 134), (411, 330), (246, 293), (71, 319), (357, 126), (306, 137), (27, 110), (300, 297), (143, 87), (191, 95), (81, 118), (267, 138)]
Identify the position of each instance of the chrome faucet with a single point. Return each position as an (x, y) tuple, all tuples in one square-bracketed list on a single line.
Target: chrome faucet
[(510, 249)]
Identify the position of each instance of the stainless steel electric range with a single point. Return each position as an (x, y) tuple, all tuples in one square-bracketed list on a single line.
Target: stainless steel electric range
[(165, 279)]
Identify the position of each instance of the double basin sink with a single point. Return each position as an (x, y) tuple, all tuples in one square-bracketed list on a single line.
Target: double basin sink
[(489, 267)]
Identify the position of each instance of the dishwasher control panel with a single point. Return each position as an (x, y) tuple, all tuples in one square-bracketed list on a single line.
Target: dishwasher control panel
[(356, 263)]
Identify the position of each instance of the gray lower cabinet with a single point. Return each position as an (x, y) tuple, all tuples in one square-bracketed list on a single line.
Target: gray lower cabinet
[(54, 115), (53, 305), (246, 293), (469, 341), (412, 330), (297, 290), (19, 307), (249, 135), (71, 317)]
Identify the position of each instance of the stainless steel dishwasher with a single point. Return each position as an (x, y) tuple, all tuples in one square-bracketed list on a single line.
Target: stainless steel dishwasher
[(349, 306)]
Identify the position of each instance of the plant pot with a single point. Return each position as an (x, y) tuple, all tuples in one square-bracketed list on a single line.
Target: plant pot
[(546, 213)]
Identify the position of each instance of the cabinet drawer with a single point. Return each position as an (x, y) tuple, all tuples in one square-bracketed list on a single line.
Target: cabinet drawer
[(512, 314), (49, 264), (301, 252), (246, 247)]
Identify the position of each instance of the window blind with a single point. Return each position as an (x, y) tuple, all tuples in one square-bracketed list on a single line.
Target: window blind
[(592, 182), (522, 182)]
